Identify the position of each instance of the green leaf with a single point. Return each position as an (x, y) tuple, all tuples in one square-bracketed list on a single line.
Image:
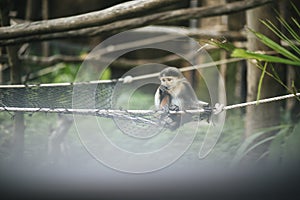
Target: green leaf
[(289, 28), (261, 81), (291, 154), (242, 53), (258, 144), (277, 146), (295, 8), (222, 44), (296, 22), (281, 35), (245, 147), (275, 46)]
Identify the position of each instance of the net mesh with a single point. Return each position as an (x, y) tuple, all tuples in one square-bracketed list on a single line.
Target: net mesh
[(86, 96), (57, 96)]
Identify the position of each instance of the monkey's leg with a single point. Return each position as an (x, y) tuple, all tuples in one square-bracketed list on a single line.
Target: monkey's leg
[(207, 113)]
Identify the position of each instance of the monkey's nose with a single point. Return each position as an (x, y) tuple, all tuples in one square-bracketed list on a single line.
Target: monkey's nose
[(163, 87)]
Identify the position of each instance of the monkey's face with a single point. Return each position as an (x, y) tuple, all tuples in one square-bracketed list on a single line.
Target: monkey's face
[(169, 82)]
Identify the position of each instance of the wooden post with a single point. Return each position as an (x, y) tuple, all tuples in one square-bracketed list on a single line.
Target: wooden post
[(45, 16), (15, 77), (266, 115), (236, 22), (218, 23), (285, 11)]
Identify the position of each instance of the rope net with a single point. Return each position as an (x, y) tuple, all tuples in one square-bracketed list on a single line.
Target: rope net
[(60, 95), (90, 98), (96, 98), (56, 96)]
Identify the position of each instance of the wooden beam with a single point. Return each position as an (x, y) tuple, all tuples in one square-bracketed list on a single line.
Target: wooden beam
[(20, 35)]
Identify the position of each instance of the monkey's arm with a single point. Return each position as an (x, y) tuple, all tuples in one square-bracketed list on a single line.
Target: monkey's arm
[(162, 98), (164, 104), (157, 99)]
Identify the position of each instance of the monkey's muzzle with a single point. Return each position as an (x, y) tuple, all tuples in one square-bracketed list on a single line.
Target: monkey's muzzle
[(163, 88)]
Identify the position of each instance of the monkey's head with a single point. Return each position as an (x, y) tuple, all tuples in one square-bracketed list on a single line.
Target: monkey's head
[(169, 77)]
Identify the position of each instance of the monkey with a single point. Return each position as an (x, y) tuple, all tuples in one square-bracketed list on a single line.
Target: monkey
[(175, 93)]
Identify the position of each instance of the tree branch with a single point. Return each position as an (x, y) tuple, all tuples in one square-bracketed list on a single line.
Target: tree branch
[(97, 18), (197, 33), (159, 18)]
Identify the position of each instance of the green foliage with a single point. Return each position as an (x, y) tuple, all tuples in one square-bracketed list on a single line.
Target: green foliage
[(250, 143), (290, 152), (106, 75), (260, 56), (283, 150), (261, 81), (287, 56), (65, 73), (290, 57), (285, 145)]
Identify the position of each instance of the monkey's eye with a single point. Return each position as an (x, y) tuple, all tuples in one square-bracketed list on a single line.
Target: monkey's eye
[(169, 79)]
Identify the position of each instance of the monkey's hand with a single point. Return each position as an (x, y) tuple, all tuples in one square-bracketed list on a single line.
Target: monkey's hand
[(218, 108), (174, 107), (166, 108)]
